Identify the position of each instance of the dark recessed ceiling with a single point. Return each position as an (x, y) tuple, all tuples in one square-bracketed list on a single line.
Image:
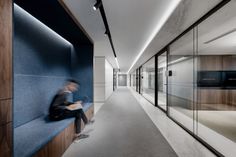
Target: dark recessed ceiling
[(52, 14)]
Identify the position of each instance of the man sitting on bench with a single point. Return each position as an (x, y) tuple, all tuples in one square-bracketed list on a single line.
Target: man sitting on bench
[(61, 108)]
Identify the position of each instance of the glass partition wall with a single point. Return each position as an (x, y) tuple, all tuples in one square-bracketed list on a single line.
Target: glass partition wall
[(181, 80), (148, 80), (216, 84), (202, 80), (196, 80), (162, 81)]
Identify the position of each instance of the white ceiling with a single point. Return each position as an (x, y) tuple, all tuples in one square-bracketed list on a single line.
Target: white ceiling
[(132, 23), (92, 22)]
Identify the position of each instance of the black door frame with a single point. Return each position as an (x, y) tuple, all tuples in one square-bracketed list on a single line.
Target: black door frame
[(137, 82)]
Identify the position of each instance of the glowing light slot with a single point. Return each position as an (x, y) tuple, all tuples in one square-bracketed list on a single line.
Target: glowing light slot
[(117, 63), (178, 60), (159, 25), (23, 12)]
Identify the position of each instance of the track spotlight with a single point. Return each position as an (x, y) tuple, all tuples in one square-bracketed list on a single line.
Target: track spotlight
[(106, 33), (97, 5)]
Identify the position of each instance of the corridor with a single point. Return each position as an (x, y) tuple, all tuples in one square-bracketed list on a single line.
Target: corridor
[(121, 129), (158, 77)]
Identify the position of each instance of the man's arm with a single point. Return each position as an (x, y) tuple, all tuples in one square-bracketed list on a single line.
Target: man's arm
[(75, 106)]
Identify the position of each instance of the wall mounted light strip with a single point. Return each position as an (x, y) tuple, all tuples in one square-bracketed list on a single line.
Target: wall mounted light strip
[(102, 11), (159, 25), (39, 23)]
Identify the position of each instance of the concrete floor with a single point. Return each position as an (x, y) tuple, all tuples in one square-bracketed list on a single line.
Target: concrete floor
[(97, 107), (122, 129), (182, 142)]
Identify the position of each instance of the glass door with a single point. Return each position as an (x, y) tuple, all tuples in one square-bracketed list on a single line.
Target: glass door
[(148, 80), (137, 80), (162, 81), (181, 80)]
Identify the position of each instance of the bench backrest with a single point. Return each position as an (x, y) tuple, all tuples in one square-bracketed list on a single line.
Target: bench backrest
[(41, 66)]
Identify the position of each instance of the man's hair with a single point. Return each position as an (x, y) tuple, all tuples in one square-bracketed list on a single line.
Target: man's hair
[(72, 81)]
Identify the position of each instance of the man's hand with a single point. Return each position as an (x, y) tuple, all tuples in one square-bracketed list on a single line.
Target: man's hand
[(74, 106)]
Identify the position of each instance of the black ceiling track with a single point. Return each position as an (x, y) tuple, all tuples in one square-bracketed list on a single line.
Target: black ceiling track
[(102, 11)]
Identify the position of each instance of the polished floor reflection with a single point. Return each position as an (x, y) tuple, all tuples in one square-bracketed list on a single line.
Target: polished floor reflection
[(149, 94), (162, 100), (183, 143)]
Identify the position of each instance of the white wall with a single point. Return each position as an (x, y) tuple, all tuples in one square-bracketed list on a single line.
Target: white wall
[(103, 79), (99, 79), (108, 79)]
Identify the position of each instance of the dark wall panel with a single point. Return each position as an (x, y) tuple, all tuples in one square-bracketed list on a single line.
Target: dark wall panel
[(5, 78), (5, 49), (122, 80), (82, 70), (6, 140)]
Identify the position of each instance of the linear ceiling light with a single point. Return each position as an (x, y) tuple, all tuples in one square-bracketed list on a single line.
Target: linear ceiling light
[(97, 5), (159, 25), (220, 36), (39, 23), (117, 63)]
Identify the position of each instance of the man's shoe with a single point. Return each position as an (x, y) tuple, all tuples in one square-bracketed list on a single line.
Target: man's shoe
[(82, 136), (91, 121)]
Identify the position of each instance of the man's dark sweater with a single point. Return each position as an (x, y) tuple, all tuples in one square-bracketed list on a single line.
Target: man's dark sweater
[(58, 105)]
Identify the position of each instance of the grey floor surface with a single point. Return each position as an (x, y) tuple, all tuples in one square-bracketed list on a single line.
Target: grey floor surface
[(121, 129)]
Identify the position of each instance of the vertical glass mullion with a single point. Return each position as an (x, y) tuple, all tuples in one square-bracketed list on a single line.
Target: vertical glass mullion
[(196, 95), (156, 80), (167, 84), (194, 81)]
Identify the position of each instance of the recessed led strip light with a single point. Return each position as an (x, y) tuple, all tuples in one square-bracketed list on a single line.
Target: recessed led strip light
[(159, 25), (117, 63), (22, 11)]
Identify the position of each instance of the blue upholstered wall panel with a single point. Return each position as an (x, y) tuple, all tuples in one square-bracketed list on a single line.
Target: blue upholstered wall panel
[(41, 65), (33, 95), (38, 50), (82, 69)]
